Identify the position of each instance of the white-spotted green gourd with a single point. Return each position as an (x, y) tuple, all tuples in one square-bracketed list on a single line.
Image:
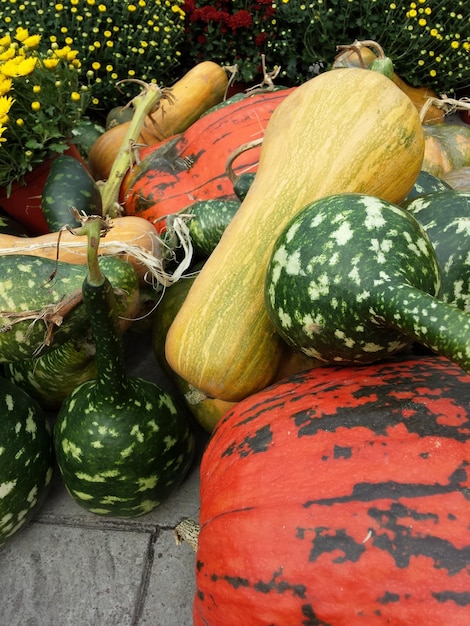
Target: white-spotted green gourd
[(122, 444), (353, 279), (26, 459), (50, 378), (41, 303), (445, 216)]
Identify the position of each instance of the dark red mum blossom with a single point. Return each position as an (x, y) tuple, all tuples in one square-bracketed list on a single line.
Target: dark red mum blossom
[(209, 14), (241, 19), (260, 39), (189, 6)]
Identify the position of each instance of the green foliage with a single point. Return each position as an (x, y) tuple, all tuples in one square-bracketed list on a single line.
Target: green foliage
[(428, 40)]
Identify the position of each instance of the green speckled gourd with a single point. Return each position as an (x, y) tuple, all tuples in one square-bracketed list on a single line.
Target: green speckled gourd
[(69, 186), (26, 458), (209, 219), (445, 216), (47, 295), (122, 444), (353, 278), (52, 377), (425, 183)]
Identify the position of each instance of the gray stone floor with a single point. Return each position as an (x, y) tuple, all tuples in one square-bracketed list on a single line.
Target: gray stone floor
[(68, 567)]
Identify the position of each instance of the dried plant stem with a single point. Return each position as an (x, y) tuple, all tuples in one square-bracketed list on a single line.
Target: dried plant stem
[(448, 105), (187, 531), (233, 177)]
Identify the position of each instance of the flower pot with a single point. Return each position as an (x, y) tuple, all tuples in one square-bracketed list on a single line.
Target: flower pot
[(23, 203)]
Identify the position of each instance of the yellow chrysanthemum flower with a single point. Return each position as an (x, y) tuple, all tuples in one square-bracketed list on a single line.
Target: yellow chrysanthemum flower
[(21, 34), (6, 102), (32, 41), (9, 53), (5, 85), (51, 63), (18, 67)]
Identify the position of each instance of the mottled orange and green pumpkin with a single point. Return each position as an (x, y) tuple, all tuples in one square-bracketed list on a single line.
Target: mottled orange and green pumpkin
[(340, 497)]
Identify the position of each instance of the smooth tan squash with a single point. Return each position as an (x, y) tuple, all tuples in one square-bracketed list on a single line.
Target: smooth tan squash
[(342, 131), (130, 238)]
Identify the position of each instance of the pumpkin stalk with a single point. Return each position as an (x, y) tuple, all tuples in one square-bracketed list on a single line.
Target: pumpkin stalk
[(187, 531), (143, 104), (381, 63)]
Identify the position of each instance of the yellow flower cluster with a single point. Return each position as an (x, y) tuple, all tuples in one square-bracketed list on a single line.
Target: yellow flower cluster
[(428, 40), (116, 39), (40, 102), (439, 38)]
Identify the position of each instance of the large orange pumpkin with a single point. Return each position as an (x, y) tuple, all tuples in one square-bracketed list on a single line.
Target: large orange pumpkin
[(339, 497)]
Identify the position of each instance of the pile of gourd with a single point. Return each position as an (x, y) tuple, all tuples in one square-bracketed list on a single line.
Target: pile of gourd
[(315, 317)]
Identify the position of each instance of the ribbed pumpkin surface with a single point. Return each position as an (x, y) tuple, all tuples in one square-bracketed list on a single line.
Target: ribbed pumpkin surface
[(339, 497), (190, 167)]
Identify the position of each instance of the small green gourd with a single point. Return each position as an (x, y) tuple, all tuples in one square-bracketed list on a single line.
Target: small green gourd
[(123, 445), (26, 459)]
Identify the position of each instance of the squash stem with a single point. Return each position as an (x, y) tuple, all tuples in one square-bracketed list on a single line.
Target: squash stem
[(143, 104), (92, 228), (101, 308)]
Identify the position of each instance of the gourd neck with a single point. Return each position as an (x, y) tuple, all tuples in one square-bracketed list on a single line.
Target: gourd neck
[(100, 304), (439, 326)]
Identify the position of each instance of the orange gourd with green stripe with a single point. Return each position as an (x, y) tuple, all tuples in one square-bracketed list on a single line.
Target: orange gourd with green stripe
[(191, 166), (339, 497)]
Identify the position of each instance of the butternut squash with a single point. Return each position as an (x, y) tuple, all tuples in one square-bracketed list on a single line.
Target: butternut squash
[(132, 238), (342, 131), (202, 87)]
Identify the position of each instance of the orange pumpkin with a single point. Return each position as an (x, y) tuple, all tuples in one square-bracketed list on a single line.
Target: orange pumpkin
[(446, 148)]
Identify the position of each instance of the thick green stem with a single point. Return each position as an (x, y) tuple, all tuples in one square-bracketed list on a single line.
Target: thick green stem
[(143, 104), (100, 304), (92, 228), (441, 327)]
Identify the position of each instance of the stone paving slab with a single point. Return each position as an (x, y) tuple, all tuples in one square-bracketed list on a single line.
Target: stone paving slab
[(70, 568)]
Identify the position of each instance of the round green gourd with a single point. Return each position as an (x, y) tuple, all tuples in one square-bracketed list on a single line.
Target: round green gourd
[(353, 278), (52, 377), (40, 302), (425, 183), (26, 458), (69, 186), (123, 445), (208, 221)]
